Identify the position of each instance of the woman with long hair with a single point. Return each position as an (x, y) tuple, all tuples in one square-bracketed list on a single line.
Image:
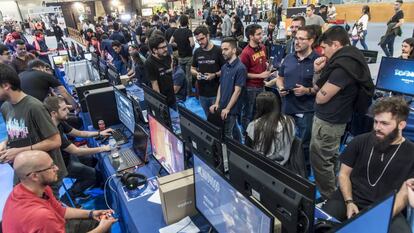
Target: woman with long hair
[(237, 28), (407, 48), (271, 133), (359, 31)]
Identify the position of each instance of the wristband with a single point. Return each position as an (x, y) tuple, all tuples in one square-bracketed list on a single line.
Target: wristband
[(90, 215), (349, 201)]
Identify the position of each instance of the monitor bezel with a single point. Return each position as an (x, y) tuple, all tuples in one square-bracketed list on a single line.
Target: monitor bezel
[(161, 99), (370, 51), (63, 63), (378, 76), (141, 129), (170, 131), (101, 62), (116, 90), (113, 80), (250, 199)]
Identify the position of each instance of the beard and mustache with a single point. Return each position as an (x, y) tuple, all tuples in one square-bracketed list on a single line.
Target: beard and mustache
[(382, 145)]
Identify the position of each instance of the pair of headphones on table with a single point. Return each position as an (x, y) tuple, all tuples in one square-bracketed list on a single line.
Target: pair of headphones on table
[(133, 180)]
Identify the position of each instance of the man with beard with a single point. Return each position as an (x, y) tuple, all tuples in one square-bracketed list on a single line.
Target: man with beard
[(31, 206), (207, 62), (297, 23), (158, 68), (374, 164)]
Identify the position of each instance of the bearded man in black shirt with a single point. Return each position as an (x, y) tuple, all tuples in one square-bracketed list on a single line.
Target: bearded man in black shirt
[(375, 164)]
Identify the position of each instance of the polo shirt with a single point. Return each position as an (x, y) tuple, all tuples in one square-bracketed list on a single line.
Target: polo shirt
[(232, 74), (297, 72)]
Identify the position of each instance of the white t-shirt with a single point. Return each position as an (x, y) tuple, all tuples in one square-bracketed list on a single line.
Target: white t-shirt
[(364, 21)]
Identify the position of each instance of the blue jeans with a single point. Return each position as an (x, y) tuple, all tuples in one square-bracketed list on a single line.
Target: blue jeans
[(303, 131), (249, 101), (230, 129), (364, 45), (388, 45), (206, 102)]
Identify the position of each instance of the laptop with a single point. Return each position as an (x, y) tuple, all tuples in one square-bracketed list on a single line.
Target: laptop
[(136, 156), (60, 60), (370, 56), (375, 219)]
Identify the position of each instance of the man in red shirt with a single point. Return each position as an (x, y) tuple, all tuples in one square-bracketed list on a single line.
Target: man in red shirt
[(254, 58), (32, 207)]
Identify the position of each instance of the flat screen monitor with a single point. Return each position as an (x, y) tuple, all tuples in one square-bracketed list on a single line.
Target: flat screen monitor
[(60, 60), (289, 197), (203, 138), (88, 56), (157, 106), (167, 148), (140, 143), (140, 115), (103, 68), (223, 206), (113, 75), (95, 61), (377, 217), (396, 75), (125, 110), (370, 56)]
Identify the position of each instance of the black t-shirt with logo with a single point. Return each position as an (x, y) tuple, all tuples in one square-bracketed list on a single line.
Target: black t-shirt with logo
[(161, 71), (181, 37), (208, 62), (356, 156)]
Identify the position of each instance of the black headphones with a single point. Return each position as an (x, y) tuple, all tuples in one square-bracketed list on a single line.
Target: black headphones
[(133, 180)]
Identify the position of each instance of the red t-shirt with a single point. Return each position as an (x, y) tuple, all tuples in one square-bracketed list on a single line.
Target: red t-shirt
[(255, 63), (25, 212)]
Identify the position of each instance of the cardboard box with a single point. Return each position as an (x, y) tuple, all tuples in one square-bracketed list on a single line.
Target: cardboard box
[(177, 196)]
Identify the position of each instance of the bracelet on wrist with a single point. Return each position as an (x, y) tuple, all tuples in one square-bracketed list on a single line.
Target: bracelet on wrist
[(90, 215), (347, 202)]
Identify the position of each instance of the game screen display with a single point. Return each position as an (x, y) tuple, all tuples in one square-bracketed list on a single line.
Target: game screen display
[(60, 60), (224, 207), (167, 148), (125, 111), (396, 75)]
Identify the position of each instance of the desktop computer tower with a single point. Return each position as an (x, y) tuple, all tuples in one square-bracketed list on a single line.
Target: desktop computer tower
[(101, 105), (82, 88)]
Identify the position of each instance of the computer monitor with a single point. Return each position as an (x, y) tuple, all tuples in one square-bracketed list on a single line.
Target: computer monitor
[(140, 143), (396, 75), (370, 56), (223, 206), (289, 197), (125, 110), (113, 75), (140, 115), (103, 68), (157, 105), (167, 148), (203, 138), (60, 60), (95, 61), (88, 56), (377, 217)]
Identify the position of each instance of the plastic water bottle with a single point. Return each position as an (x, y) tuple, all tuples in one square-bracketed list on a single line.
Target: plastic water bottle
[(114, 148)]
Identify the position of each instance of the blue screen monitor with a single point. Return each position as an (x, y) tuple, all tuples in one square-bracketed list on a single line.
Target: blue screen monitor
[(125, 110), (376, 218), (223, 206), (396, 75)]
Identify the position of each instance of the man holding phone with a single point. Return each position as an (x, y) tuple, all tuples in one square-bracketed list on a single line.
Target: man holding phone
[(294, 82)]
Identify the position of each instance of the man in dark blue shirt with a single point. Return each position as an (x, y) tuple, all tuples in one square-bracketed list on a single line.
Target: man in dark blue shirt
[(121, 57), (295, 84), (232, 80), (118, 35), (106, 45)]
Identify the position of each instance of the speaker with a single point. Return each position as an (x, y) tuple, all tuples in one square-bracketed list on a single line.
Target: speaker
[(101, 105), (133, 180), (81, 88)]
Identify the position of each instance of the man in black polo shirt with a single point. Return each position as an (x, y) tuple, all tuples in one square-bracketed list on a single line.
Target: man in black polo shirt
[(158, 68), (375, 164), (184, 41), (207, 63), (394, 29)]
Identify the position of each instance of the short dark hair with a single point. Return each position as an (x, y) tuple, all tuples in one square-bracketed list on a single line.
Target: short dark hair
[(311, 6), (116, 43), (36, 63), (335, 33), (3, 48), (399, 1), (183, 20), (251, 30), (51, 103), (172, 20), (146, 24), (9, 75), (155, 18), (273, 20), (310, 30), (301, 19), (231, 41), (396, 105), (89, 30), (154, 41), (201, 29), (19, 42), (116, 26)]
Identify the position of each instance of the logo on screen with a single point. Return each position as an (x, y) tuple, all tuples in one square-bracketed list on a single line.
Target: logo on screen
[(405, 73), (209, 179)]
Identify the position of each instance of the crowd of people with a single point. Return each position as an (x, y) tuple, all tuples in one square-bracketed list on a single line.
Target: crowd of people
[(322, 83)]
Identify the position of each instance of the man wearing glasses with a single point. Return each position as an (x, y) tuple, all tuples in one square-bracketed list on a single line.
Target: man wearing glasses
[(22, 57), (5, 56), (294, 82), (158, 68), (31, 206)]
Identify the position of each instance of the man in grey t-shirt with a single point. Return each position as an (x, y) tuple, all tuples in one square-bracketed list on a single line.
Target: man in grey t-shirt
[(312, 18), (29, 125)]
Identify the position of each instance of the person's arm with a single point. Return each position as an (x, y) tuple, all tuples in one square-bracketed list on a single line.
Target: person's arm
[(88, 134), (172, 42), (214, 107), (192, 43), (69, 99), (326, 93), (105, 222), (84, 151), (232, 102), (155, 86), (245, 60), (401, 199), (345, 186), (399, 24)]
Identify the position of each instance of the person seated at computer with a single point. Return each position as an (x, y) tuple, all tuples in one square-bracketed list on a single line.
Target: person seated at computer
[(374, 164), (180, 82), (32, 207), (121, 57), (85, 175), (271, 132), (407, 49)]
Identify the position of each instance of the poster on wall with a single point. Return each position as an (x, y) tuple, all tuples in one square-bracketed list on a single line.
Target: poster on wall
[(146, 11)]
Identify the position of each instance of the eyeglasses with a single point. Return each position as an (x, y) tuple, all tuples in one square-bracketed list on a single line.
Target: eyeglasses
[(43, 170), (162, 47), (301, 38)]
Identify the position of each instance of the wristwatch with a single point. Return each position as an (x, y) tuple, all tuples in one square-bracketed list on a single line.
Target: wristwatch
[(349, 201)]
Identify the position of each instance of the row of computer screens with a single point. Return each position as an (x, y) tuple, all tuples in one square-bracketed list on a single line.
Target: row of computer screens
[(106, 70)]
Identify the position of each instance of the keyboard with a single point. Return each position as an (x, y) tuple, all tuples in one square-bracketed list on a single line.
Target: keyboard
[(119, 137), (127, 159)]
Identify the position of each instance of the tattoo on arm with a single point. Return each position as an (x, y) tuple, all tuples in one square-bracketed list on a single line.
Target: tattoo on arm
[(323, 92)]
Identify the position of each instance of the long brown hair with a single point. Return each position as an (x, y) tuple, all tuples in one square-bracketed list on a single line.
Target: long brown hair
[(365, 10)]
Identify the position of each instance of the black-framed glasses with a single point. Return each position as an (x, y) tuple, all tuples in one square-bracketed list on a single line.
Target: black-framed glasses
[(43, 170), (162, 47), (301, 38)]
